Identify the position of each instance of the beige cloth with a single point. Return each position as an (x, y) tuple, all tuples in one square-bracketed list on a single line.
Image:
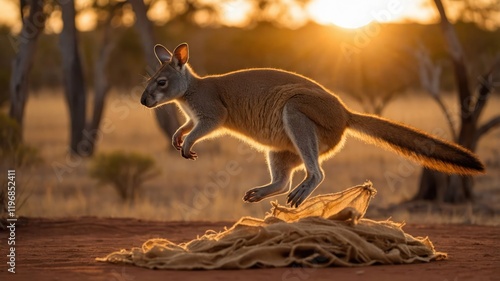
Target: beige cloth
[(326, 230)]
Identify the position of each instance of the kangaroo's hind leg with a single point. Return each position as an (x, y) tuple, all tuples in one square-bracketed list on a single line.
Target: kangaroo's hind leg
[(281, 165), (302, 132)]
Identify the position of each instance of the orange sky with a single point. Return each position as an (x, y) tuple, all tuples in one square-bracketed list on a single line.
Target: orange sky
[(349, 14)]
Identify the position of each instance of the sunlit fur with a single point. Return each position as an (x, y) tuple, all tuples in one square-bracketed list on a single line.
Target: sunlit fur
[(292, 118)]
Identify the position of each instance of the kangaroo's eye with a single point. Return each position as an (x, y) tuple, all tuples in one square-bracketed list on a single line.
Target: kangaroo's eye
[(162, 82)]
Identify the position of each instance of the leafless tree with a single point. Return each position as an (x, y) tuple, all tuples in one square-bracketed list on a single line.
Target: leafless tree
[(452, 188)]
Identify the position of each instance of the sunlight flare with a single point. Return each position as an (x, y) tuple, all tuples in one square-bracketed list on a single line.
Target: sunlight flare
[(347, 14)]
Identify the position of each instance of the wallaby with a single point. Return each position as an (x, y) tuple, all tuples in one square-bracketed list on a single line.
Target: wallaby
[(292, 118)]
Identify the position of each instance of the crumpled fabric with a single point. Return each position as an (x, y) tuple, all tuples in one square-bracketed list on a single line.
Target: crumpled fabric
[(326, 230)]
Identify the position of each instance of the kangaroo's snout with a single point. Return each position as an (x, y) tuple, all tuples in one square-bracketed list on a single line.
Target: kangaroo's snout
[(148, 100), (143, 98)]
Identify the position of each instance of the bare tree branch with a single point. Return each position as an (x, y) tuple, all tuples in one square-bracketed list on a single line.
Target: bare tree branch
[(430, 74), (485, 88), (451, 38), (486, 127), (468, 122), (447, 114), (382, 103)]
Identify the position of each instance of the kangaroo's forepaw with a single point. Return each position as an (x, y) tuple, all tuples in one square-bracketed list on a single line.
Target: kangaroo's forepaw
[(177, 142), (298, 195), (189, 155), (178, 146), (254, 195)]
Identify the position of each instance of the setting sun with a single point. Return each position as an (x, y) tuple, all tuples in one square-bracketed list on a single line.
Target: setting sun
[(347, 14), (358, 13)]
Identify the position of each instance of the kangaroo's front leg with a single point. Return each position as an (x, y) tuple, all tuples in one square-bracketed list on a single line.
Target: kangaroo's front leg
[(180, 133), (202, 128)]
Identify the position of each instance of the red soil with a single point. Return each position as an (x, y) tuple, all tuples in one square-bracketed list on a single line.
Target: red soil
[(65, 249)]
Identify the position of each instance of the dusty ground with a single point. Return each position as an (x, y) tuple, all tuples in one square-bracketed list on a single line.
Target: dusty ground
[(64, 249)]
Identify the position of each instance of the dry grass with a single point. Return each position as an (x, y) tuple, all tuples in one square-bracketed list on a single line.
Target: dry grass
[(186, 191)]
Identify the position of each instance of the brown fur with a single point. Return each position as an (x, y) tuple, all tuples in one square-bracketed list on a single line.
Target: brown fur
[(419, 146), (296, 120)]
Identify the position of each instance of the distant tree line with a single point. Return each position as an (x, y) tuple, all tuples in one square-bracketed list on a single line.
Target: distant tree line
[(320, 56)]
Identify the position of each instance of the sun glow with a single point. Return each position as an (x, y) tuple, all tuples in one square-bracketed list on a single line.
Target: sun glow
[(358, 13), (346, 14)]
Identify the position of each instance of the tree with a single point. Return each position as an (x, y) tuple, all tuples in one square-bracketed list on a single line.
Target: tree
[(81, 143), (33, 25), (101, 82), (74, 84), (165, 115), (453, 188)]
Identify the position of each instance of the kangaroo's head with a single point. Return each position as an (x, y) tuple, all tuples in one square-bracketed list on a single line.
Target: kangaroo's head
[(171, 80)]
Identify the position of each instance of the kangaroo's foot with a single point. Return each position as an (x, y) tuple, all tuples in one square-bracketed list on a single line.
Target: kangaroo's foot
[(304, 189), (259, 193), (281, 165)]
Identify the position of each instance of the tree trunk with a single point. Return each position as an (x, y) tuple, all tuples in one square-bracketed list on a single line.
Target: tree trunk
[(101, 85), (166, 115), (25, 46), (439, 187), (73, 80)]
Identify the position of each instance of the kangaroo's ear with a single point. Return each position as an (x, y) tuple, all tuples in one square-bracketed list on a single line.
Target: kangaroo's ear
[(181, 55), (162, 54)]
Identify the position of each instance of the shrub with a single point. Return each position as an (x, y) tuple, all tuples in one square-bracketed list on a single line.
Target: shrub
[(125, 171), (13, 152)]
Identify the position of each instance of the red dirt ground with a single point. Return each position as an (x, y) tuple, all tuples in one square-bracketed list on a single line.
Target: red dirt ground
[(65, 249)]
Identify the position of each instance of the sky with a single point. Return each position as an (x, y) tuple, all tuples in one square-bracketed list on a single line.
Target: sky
[(357, 13), (343, 13)]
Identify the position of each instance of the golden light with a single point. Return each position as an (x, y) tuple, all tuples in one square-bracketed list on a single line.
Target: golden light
[(346, 14), (236, 12), (86, 20)]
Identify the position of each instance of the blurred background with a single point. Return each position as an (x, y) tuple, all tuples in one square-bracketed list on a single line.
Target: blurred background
[(72, 126)]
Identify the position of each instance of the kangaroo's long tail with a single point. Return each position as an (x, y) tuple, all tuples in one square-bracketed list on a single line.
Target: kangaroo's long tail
[(419, 146)]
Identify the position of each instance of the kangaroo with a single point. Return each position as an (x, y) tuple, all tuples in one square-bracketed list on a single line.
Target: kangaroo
[(297, 121)]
